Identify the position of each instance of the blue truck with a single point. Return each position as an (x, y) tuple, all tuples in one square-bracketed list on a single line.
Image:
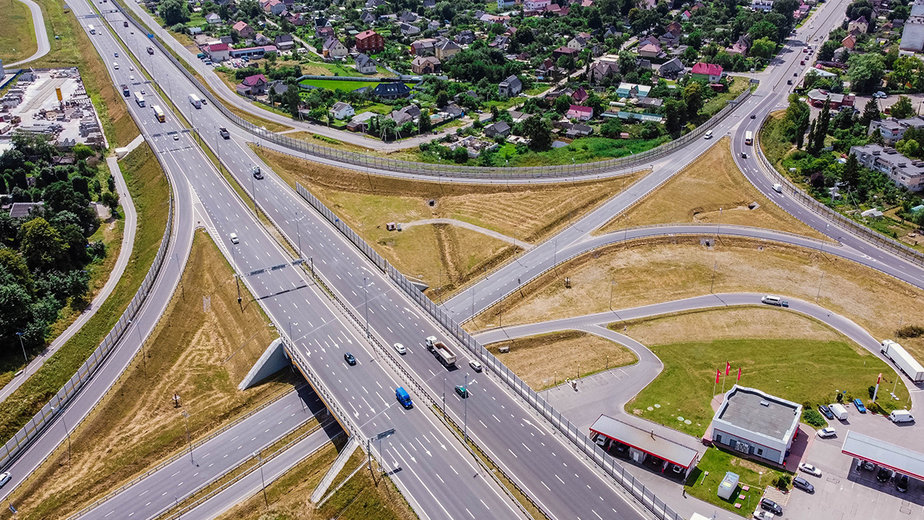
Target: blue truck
[(403, 397)]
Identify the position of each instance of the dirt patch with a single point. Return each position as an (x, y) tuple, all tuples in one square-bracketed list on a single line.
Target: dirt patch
[(545, 361), (710, 190), (202, 348), (670, 268)]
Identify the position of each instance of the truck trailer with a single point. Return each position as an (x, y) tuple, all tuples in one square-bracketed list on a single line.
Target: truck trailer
[(903, 360), (441, 351), (196, 102), (839, 411)]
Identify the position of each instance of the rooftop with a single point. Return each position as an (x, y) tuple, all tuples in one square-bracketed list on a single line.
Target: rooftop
[(645, 441), (884, 453), (758, 412)]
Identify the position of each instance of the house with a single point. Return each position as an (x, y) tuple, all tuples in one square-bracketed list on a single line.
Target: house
[(425, 65), (277, 88), (296, 19), (816, 98), (365, 65), (261, 39), (580, 95), (424, 47), (218, 52), (333, 48), (849, 42), (859, 25), (578, 130), (391, 90), (905, 172), (429, 4), (252, 85), (756, 424), (274, 7), (465, 37), (498, 129), (407, 114), (505, 4), (671, 69), (341, 110), (686, 16), (325, 32), (369, 41), (893, 130), (602, 69), (500, 41), (360, 121), (532, 6), (243, 29), (213, 19), (762, 5), (409, 30), (284, 42), (454, 111), (707, 71), (633, 90), (650, 50), (565, 51), (581, 113), (367, 18), (913, 30), (510, 87), (578, 42), (447, 49), (253, 52)]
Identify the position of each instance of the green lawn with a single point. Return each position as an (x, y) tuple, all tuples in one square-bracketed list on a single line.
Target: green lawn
[(776, 366), (17, 34), (339, 84), (735, 88), (704, 480)]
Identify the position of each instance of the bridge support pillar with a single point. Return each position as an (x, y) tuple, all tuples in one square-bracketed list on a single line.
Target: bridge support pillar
[(273, 360)]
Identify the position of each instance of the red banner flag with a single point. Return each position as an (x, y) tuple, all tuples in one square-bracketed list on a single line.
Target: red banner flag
[(727, 367), (878, 379), (718, 374), (739, 373)]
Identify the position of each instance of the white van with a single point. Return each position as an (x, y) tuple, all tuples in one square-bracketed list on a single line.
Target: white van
[(901, 416), (709, 134), (770, 299), (778, 188), (839, 411), (234, 239)]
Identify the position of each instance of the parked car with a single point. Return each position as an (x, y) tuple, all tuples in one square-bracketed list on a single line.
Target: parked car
[(399, 348), (865, 464), (824, 433), (901, 483), (803, 484), (879, 94), (859, 404), (462, 391), (824, 410), (760, 514), (771, 506), (349, 358), (884, 475), (476, 366), (810, 469)]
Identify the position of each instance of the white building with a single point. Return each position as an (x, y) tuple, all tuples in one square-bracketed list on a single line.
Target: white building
[(756, 424)]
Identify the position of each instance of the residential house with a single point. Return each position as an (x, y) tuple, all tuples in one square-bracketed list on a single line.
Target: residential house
[(893, 130), (252, 85), (860, 25), (579, 42), (365, 64), (372, 4), (505, 4), (341, 110), (633, 90), (762, 5), (243, 29), (465, 37), (391, 90), (369, 41), (565, 51), (367, 18), (510, 87), (429, 4), (425, 65), (261, 39), (581, 113), (218, 52), (671, 69), (277, 88), (408, 17), (213, 19), (410, 113), (816, 98), (913, 30), (707, 71), (578, 130), (447, 49), (409, 30), (500, 41), (740, 47), (284, 42), (532, 6), (333, 48), (296, 19), (424, 47), (905, 172), (580, 95), (686, 16), (602, 69), (274, 7), (498, 129), (849, 42), (650, 50)]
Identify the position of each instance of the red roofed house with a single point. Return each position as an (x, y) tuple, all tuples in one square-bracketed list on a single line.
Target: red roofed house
[(565, 51), (218, 51), (580, 113), (252, 85), (369, 41), (579, 95), (707, 71), (243, 29)]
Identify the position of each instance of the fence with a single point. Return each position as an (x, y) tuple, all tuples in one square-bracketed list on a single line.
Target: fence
[(37, 424), (583, 443), (881, 241), (442, 170)]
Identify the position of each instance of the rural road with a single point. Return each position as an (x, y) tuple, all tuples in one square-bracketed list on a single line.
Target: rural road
[(41, 34)]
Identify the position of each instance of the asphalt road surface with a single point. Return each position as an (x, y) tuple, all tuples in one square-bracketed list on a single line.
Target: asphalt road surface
[(41, 35)]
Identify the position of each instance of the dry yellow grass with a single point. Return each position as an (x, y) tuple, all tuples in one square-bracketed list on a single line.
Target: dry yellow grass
[(696, 194), (330, 143), (547, 360), (672, 268), (200, 351)]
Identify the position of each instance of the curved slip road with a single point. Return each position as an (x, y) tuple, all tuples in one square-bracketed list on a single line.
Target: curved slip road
[(41, 35), (468, 225)]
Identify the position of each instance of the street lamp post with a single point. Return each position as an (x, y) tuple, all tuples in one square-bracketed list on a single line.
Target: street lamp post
[(366, 306), (188, 441), (144, 361), (21, 344), (298, 232), (67, 432), (465, 411), (262, 479)]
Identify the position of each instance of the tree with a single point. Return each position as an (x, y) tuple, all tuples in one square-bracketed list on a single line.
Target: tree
[(902, 108), (865, 71), (850, 175), (763, 29), (562, 104), (423, 122), (693, 99), (539, 132), (174, 11), (460, 155), (41, 245), (762, 48), (870, 113), (674, 111), (826, 53), (786, 8), (612, 128), (810, 143)]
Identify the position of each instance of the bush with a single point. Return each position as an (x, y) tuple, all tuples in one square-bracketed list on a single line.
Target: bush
[(813, 418), (871, 390), (911, 331), (783, 482)]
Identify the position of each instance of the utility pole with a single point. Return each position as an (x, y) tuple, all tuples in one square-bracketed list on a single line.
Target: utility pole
[(366, 306), (21, 344), (465, 412), (188, 441), (262, 479), (67, 432)]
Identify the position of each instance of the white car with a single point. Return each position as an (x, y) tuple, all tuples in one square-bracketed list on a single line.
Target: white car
[(4, 478), (476, 366), (760, 514), (234, 239), (824, 433), (810, 469), (399, 348)]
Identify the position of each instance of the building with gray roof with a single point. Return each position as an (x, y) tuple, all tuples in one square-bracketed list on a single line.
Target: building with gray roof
[(756, 424), (901, 170)]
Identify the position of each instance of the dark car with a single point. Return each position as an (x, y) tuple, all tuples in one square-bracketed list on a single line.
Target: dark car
[(349, 358), (222, 131), (824, 410), (257, 174), (901, 483), (803, 484), (462, 391), (770, 505), (753, 116), (884, 475)]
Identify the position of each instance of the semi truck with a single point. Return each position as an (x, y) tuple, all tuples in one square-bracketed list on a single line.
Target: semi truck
[(196, 102), (159, 113), (125, 91), (903, 360), (139, 99), (441, 351), (403, 397)]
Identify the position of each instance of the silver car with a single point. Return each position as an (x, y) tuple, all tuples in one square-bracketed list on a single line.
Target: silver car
[(399, 348)]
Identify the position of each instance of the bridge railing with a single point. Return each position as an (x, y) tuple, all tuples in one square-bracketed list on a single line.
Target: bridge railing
[(582, 442)]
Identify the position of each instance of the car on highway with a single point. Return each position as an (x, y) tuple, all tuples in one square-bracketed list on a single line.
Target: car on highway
[(399, 348), (824, 410), (789, 82), (770, 299), (708, 135), (859, 404), (257, 174), (777, 187), (825, 433), (349, 358), (810, 469), (884, 475), (803, 484), (753, 116), (744, 155), (176, 136), (4, 478), (771, 506), (476, 366), (222, 131), (462, 391), (234, 239), (901, 483), (116, 54)]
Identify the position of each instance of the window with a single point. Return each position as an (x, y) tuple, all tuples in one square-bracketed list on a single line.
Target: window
[(760, 451), (718, 438)]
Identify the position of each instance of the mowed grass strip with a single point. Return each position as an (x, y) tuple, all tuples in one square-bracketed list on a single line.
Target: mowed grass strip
[(711, 190), (17, 32), (704, 480), (201, 349), (150, 192), (671, 268), (546, 360)]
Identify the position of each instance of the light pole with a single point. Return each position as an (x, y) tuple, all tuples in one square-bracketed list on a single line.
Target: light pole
[(144, 361), (262, 479), (66, 432), (188, 441), (21, 344), (366, 292), (298, 233), (465, 411)]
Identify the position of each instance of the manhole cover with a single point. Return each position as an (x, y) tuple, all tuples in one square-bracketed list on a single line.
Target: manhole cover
[(687, 421), (650, 408)]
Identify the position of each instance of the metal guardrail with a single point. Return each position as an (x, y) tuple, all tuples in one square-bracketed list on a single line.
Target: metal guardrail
[(881, 241), (603, 460), (437, 170)]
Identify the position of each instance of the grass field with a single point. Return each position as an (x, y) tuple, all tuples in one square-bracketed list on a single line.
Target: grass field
[(202, 354), (715, 104), (322, 140), (342, 84), (527, 212), (704, 480), (710, 190), (670, 268), (545, 361), (150, 192), (17, 32)]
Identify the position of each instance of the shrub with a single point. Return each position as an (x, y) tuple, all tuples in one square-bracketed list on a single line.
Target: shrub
[(813, 418), (911, 331), (783, 482), (871, 390)]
